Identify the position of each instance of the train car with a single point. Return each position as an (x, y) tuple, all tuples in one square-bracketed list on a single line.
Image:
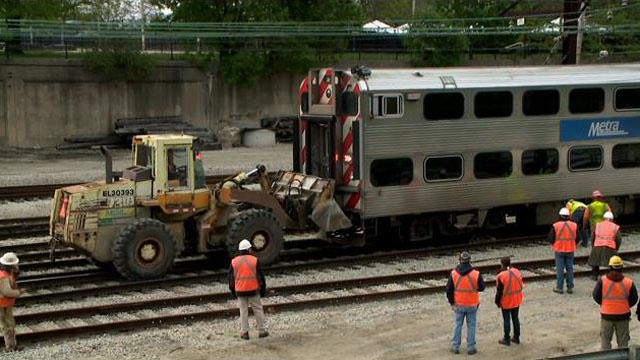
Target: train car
[(446, 151)]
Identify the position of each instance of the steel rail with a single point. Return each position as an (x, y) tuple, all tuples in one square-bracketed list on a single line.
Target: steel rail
[(226, 311)]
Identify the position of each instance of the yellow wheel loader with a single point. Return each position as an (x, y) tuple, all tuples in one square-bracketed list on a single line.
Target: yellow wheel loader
[(160, 208)]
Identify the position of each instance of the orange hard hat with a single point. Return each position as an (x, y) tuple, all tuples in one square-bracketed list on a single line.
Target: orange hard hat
[(596, 194)]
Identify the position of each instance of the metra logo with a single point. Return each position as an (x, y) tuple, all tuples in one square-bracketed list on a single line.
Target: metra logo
[(606, 128)]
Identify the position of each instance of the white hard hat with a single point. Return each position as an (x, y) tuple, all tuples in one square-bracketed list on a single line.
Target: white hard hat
[(608, 215), (9, 259), (564, 212), (244, 245)]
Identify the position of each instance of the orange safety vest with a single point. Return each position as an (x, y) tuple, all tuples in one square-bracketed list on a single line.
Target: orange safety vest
[(245, 273), (512, 294), (566, 233), (465, 288), (6, 302), (606, 234), (615, 296)]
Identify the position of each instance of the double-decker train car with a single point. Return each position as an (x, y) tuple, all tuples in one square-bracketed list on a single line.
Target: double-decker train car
[(446, 151)]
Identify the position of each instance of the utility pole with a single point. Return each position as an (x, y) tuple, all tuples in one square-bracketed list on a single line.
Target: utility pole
[(413, 9), (573, 11), (143, 16)]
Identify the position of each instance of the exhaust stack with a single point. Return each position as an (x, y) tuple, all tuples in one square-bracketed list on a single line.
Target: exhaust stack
[(108, 164)]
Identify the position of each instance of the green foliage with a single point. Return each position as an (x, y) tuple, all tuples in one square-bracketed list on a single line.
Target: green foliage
[(120, 65), (243, 67), (438, 50)]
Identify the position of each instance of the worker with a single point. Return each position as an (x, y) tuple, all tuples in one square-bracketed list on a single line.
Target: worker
[(463, 287), (616, 294), (594, 212), (509, 295), (8, 294), (606, 242), (247, 283), (563, 237), (576, 213)]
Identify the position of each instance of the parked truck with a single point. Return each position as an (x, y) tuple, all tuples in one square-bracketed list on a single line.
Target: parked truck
[(160, 208)]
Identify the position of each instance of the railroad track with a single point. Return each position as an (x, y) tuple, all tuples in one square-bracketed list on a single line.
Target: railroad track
[(47, 190), (39, 325), (23, 227)]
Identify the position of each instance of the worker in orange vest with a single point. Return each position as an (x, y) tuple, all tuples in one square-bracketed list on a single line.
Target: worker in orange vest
[(463, 287), (595, 212), (509, 295), (8, 294), (247, 283), (606, 242), (616, 294), (563, 237)]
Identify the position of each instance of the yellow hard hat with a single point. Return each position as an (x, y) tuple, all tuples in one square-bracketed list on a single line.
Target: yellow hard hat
[(615, 261)]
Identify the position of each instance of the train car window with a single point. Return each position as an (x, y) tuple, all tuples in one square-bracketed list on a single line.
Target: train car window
[(390, 172), (441, 168), (349, 103), (540, 102), (585, 158), (540, 161), (493, 104), (443, 106), (626, 156), (627, 99), (304, 102), (387, 105), (589, 100), (493, 165)]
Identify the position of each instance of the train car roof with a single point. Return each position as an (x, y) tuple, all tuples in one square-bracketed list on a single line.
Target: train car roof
[(501, 77)]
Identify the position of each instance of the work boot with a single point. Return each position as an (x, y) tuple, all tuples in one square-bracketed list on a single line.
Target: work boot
[(556, 290), (504, 341), (455, 350), (515, 340), (244, 336), (472, 351), (10, 340), (569, 290), (263, 334)]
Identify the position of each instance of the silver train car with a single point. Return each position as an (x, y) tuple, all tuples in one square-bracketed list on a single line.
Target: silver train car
[(446, 151)]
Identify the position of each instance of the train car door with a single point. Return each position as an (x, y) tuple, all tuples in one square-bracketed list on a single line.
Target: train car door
[(320, 146)]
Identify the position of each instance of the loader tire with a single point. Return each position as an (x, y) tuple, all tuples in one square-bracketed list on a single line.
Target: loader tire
[(144, 249), (262, 229)]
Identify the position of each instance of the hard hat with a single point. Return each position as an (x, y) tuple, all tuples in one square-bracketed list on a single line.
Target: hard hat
[(464, 257), (9, 259), (564, 212), (608, 215), (615, 262), (596, 194), (244, 245)]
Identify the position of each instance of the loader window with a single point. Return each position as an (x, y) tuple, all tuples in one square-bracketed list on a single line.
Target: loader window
[(177, 167), (143, 155)]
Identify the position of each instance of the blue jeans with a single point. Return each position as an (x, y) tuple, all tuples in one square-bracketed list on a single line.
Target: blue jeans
[(564, 261), (468, 312)]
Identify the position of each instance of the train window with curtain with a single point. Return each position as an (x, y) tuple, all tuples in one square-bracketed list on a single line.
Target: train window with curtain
[(442, 168), (627, 99), (443, 106), (493, 104), (387, 106), (590, 100), (391, 172), (493, 165), (540, 102), (626, 156), (540, 161), (585, 158)]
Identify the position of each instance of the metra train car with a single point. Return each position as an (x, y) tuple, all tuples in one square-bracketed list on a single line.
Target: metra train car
[(444, 151)]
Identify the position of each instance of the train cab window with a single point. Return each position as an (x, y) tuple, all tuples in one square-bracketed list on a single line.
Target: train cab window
[(304, 102), (626, 156), (443, 106), (349, 103), (493, 104), (540, 102), (387, 105), (390, 172), (627, 99), (589, 100), (540, 161), (442, 168), (493, 165), (585, 158)]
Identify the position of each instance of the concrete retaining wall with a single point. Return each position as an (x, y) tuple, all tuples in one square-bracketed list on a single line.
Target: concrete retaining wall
[(44, 100)]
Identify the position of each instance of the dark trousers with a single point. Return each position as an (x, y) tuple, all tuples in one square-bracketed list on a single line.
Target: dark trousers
[(509, 315), (582, 234)]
